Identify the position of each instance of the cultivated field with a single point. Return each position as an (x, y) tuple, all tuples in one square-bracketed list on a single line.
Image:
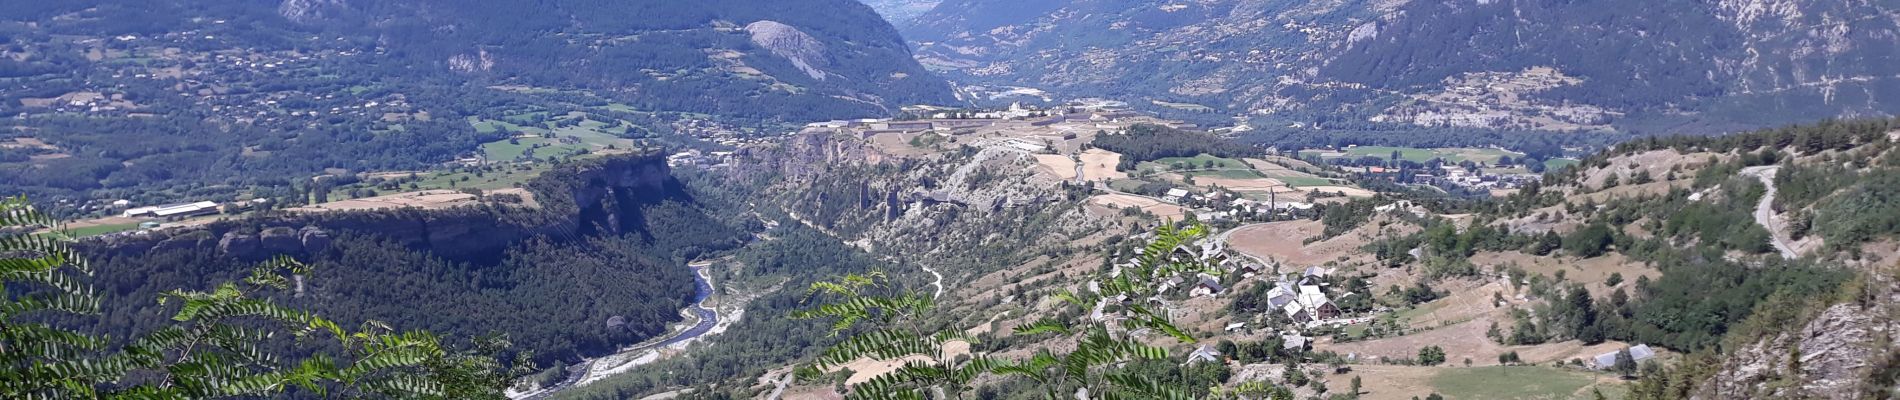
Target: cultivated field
[(1152, 206), (1284, 241), (101, 226), (1100, 164), (589, 134), (1454, 155), (427, 199)]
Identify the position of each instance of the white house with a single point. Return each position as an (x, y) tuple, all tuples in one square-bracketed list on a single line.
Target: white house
[(1175, 195), (1204, 354), (1638, 353)]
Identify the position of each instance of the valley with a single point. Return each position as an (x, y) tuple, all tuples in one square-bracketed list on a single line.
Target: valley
[(957, 199)]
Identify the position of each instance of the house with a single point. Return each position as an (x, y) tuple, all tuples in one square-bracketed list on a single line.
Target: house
[(1169, 284), (1208, 286), (139, 212), (1293, 205), (1315, 301), (1638, 353), (1303, 303), (187, 210), (1235, 327), (1174, 195), (1293, 342), (1247, 270), (176, 210), (1317, 272), (1282, 294), (1204, 354)]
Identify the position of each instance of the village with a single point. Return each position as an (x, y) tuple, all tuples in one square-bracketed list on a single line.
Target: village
[(1300, 304)]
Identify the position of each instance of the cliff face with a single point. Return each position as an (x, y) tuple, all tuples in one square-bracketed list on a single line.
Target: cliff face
[(579, 276), (602, 196), (1835, 355)]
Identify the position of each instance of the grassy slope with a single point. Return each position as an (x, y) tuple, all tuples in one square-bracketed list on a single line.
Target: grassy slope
[(1484, 383)]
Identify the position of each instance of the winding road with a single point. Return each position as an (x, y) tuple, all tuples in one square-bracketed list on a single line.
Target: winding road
[(1223, 236), (1765, 211)]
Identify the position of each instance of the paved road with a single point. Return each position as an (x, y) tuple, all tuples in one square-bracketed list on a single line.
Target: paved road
[(1765, 211)]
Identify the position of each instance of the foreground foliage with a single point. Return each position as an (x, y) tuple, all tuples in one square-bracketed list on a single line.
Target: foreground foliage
[(218, 343), (1107, 324)]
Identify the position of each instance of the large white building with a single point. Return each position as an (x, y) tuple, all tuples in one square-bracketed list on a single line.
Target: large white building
[(176, 210)]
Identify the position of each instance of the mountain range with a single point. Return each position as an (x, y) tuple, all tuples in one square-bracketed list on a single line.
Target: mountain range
[(1680, 65), (901, 12), (733, 55)]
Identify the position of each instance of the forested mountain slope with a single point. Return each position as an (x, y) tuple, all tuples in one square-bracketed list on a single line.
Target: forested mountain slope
[(1775, 251), (1707, 66), (167, 101), (842, 58), (601, 264)]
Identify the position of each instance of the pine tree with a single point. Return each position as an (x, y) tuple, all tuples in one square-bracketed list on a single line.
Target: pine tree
[(1625, 363), (214, 346)]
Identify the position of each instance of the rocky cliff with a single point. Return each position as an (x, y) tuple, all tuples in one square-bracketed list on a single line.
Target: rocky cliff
[(1845, 352), (604, 195)]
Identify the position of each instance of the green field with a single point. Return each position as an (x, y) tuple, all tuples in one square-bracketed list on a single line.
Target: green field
[(1304, 181), (1422, 155), (1126, 185), (102, 229), (1407, 315), (620, 108), (1229, 174), (1195, 162), (505, 177), (504, 150), (487, 125), (590, 134), (1356, 330), (1488, 383)]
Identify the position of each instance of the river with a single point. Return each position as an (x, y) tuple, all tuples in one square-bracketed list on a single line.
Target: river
[(588, 371)]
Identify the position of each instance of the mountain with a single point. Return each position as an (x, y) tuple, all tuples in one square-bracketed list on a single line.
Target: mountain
[(1622, 65), (598, 264), (735, 55), (901, 12), (155, 100)]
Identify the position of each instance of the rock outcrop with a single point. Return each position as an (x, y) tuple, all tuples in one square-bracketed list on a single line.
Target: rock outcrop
[(314, 239), (280, 240), (239, 245), (804, 51), (306, 11), (1830, 357), (581, 198)]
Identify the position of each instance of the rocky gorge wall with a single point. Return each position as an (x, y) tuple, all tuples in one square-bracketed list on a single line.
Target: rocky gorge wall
[(580, 199)]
